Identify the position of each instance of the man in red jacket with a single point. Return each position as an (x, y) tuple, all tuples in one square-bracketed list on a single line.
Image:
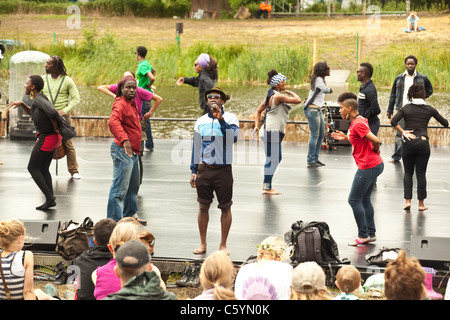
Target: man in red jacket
[(125, 149)]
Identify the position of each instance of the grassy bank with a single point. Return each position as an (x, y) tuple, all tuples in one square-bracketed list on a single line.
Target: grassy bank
[(246, 49)]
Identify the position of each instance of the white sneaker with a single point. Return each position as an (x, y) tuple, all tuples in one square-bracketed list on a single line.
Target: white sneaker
[(77, 176)]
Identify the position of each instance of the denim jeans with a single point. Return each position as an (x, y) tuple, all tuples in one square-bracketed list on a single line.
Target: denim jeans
[(416, 154), (146, 106), (272, 148), (375, 127), (122, 201), (359, 199), (316, 124)]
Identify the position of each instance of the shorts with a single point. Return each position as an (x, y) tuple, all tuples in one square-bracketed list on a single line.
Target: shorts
[(218, 179)]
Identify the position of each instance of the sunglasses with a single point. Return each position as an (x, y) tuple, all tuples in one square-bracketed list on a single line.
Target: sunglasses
[(211, 96)]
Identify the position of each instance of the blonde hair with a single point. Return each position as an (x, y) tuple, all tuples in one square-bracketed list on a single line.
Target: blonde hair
[(348, 279), (218, 272), (315, 295), (10, 230), (122, 233), (404, 278), (272, 248)]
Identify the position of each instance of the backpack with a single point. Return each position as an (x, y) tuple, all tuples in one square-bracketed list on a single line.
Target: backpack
[(312, 241), (308, 246)]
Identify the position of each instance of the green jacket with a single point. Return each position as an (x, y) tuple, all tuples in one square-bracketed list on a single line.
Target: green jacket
[(142, 287), (68, 97)]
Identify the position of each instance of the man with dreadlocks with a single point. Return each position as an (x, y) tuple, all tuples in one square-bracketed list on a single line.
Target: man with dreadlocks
[(64, 96)]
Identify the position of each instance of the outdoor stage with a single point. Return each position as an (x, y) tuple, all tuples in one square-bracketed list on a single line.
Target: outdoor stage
[(169, 204)]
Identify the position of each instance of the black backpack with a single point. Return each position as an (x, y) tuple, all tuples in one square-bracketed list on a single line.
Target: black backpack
[(312, 242)]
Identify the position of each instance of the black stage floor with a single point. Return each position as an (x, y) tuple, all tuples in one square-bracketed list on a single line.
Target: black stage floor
[(168, 203)]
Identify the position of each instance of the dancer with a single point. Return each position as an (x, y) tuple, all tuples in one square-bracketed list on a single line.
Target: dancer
[(206, 67), (416, 145), (212, 155), (142, 96), (64, 96), (366, 152), (125, 149), (277, 114), (398, 97), (47, 121), (313, 113)]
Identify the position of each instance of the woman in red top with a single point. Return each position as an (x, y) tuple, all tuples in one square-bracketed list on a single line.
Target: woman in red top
[(366, 152)]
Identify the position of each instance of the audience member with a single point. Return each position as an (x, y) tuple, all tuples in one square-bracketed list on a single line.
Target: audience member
[(93, 258), (267, 279), (137, 280), (16, 264), (308, 282), (405, 279), (216, 277), (348, 280)]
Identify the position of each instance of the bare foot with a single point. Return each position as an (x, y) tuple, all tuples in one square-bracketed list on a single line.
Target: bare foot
[(272, 191), (223, 248), (422, 206), (407, 205), (200, 250)]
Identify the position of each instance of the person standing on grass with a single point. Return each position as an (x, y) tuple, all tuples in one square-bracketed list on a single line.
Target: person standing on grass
[(398, 97), (63, 94), (145, 75), (416, 146), (366, 153)]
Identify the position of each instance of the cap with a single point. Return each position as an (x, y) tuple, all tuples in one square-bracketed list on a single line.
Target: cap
[(308, 276), (132, 254)]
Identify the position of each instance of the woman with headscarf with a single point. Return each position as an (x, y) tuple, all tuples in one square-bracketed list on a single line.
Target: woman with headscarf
[(46, 121), (313, 113), (274, 130), (206, 67)]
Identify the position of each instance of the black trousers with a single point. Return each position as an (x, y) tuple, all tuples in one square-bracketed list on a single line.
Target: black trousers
[(38, 166), (415, 154)]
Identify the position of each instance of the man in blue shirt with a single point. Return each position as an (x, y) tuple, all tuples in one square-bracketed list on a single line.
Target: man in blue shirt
[(212, 154)]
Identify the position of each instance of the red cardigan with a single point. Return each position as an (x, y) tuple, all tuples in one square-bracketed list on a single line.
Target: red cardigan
[(124, 123)]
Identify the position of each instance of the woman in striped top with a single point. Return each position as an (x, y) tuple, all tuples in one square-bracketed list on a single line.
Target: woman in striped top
[(17, 265)]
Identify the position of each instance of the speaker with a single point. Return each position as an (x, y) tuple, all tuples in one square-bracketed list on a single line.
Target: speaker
[(43, 235), (431, 251)]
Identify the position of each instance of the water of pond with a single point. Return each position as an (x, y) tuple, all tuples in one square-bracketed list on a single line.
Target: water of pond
[(182, 102)]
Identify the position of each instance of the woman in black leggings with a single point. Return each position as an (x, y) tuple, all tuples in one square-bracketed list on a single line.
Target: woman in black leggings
[(415, 146), (45, 119)]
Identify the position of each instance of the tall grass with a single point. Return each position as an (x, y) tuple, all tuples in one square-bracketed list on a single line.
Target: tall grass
[(103, 59), (388, 62)]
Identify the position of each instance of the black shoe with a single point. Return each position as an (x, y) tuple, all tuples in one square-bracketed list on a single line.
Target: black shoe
[(313, 165), (49, 203), (320, 163), (194, 279), (61, 274), (186, 274)]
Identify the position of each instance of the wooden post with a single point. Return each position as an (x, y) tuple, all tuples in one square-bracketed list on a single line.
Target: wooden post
[(315, 52)]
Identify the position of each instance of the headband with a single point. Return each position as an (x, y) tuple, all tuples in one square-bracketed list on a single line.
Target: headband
[(276, 79), (203, 60)]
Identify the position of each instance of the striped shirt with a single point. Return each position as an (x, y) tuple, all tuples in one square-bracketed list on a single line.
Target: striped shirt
[(14, 273)]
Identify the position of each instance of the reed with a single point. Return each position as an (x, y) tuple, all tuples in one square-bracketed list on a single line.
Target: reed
[(388, 62)]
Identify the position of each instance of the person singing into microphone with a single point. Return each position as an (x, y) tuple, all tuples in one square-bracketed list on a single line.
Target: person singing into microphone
[(214, 135)]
